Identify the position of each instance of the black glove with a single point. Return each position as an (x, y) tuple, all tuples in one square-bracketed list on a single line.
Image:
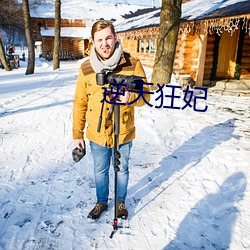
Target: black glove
[(78, 153)]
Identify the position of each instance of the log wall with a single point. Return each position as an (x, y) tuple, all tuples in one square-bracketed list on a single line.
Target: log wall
[(73, 45), (50, 22), (132, 46), (209, 57), (245, 60), (76, 46), (186, 56), (178, 61)]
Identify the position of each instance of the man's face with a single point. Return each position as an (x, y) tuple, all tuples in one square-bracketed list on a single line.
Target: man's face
[(104, 42)]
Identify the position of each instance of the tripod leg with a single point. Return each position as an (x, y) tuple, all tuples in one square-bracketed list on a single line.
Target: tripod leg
[(100, 119), (116, 161)]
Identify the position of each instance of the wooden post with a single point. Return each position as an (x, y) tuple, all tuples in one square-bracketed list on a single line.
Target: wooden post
[(201, 60), (144, 45)]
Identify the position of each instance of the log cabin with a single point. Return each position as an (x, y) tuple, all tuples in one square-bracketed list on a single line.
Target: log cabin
[(74, 37), (213, 41), (77, 19)]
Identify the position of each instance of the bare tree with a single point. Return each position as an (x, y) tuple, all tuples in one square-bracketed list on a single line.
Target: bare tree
[(3, 57), (11, 16), (11, 24), (56, 59), (28, 33), (168, 34)]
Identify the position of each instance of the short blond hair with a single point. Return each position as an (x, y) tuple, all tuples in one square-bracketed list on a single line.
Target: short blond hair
[(101, 24)]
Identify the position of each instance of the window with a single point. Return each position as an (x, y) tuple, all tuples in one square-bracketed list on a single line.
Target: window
[(146, 45)]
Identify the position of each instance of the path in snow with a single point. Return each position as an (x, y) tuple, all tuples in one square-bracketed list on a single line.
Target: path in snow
[(189, 172)]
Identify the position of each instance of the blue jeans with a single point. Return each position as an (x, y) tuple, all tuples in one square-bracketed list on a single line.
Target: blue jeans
[(102, 158)]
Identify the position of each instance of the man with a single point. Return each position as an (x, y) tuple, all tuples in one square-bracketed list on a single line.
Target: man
[(107, 54)]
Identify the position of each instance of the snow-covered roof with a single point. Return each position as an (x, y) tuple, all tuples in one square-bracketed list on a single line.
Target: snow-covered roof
[(191, 11), (145, 20), (205, 9), (79, 32), (85, 10)]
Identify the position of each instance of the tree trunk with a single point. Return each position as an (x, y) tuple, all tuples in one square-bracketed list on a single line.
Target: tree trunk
[(168, 34), (3, 57), (28, 33), (56, 59)]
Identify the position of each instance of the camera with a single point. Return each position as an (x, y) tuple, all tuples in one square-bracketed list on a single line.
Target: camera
[(132, 82), (78, 153)]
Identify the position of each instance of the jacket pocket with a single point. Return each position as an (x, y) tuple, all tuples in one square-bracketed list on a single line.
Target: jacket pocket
[(127, 120)]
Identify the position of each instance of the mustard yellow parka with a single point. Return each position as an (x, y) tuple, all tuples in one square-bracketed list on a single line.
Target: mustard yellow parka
[(87, 105)]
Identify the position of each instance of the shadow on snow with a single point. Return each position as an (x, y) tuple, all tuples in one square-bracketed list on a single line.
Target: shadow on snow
[(190, 154), (209, 225), (23, 110)]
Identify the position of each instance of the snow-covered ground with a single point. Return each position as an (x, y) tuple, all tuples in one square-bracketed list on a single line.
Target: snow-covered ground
[(189, 172)]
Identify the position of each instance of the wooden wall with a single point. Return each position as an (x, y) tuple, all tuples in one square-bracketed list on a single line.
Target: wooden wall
[(178, 61), (73, 45), (245, 60), (76, 46), (131, 46), (214, 46), (201, 56), (186, 56), (146, 59), (209, 57), (185, 59), (50, 22), (47, 45)]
